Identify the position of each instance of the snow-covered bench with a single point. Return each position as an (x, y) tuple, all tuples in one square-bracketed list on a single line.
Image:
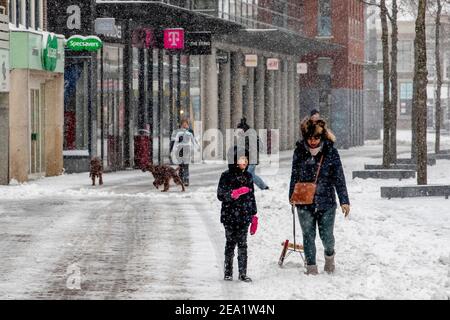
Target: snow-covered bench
[(384, 174), (416, 191)]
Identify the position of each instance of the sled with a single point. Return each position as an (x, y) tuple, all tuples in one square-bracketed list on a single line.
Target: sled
[(298, 247), (291, 247)]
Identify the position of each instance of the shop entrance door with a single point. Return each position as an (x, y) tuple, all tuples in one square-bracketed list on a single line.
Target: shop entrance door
[(37, 163)]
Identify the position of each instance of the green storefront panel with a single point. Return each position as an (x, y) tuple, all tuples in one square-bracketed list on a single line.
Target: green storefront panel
[(27, 50)]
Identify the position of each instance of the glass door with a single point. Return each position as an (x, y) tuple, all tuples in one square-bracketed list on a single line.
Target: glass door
[(112, 106), (37, 134)]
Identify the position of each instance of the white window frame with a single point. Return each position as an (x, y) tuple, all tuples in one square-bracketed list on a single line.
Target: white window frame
[(23, 14), (33, 14), (12, 13), (22, 18)]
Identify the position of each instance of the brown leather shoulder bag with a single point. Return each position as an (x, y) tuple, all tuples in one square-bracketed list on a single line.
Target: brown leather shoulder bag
[(304, 192)]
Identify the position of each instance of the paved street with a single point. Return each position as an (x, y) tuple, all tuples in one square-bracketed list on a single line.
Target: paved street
[(121, 246), (124, 240)]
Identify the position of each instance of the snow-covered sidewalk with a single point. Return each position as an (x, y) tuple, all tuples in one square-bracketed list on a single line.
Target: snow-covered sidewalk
[(386, 249)]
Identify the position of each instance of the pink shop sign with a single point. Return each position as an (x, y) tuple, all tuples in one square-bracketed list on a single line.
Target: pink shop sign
[(273, 64), (174, 39)]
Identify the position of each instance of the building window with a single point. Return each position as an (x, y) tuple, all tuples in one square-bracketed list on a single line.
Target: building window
[(431, 66), (11, 12), (205, 6), (447, 66), (26, 13), (239, 11), (406, 95), (381, 91), (324, 28), (406, 90), (20, 15), (245, 8), (17, 16), (280, 14), (379, 51), (224, 9), (180, 3), (37, 14), (405, 56)]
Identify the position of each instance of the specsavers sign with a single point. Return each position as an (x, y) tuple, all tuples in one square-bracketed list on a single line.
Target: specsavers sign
[(81, 43), (49, 52)]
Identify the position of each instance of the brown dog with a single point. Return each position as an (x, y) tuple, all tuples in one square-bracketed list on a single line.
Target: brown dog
[(96, 170), (162, 175)]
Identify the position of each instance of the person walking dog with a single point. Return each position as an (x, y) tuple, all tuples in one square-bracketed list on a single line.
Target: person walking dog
[(183, 139), (316, 174)]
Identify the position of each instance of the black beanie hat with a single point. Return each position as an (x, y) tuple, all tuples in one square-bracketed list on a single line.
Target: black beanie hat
[(243, 125), (313, 112)]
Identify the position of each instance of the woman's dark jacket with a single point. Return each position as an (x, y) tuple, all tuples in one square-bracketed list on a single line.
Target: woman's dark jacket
[(236, 212), (331, 176)]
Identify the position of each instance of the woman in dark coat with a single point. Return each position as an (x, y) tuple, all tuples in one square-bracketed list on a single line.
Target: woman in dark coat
[(317, 144), (236, 192)]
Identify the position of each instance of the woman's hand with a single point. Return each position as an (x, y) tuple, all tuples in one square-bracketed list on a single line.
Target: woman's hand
[(345, 209)]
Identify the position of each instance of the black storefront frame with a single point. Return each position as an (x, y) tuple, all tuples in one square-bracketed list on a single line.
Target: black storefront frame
[(133, 16), (150, 110), (145, 104), (89, 59), (111, 98)]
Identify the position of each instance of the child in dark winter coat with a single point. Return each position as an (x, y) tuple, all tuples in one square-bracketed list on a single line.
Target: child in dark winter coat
[(236, 192)]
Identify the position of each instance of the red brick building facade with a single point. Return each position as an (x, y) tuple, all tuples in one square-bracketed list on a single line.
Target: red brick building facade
[(334, 82)]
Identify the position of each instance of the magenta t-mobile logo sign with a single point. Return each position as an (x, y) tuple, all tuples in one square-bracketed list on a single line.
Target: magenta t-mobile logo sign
[(174, 39)]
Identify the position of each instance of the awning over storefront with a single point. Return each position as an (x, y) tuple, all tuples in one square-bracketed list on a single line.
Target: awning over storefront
[(284, 42), (157, 14)]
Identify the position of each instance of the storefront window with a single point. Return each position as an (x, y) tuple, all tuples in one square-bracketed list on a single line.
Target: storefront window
[(195, 105), (185, 112), (76, 105), (111, 108)]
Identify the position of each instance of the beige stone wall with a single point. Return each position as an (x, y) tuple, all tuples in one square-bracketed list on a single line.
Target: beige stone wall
[(52, 90), (19, 153), (54, 125), (4, 138)]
